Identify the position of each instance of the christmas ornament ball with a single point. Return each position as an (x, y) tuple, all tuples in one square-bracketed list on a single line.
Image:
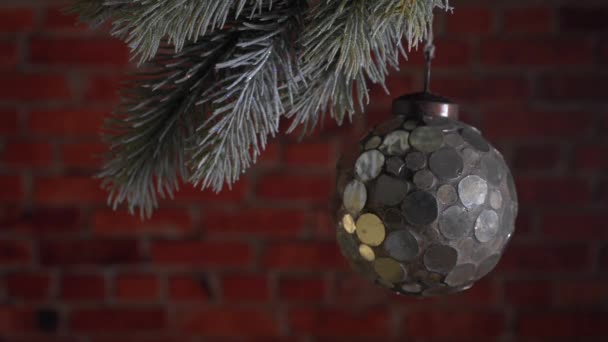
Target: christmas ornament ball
[(426, 205)]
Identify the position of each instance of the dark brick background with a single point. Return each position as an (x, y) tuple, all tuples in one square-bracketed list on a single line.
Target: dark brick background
[(261, 261)]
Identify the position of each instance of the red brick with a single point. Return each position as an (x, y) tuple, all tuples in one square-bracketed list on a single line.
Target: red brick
[(303, 255), (83, 155), (450, 53), (28, 154), (245, 288), (79, 52), (546, 192), (28, 286), (43, 221), (83, 287), (528, 293), (8, 54), (470, 20), (537, 52), (137, 287), (483, 88), (301, 288), (265, 222), (562, 325), (536, 158), (588, 226), (15, 253), (583, 18), (195, 253), (459, 324), (103, 88), (290, 187), (12, 189), (577, 293), (271, 155), (117, 320), (55, 19), (34, 87), (15, 320), (67, 122), (529, 20), (16, 19), (483, 293), (591, 157), (309, 154), (571, 88), (189, 288), (339, 323), (9, 122), (539, 258), (68, 191), (89, 252), (190, 194), (225, 322), (164, 221), (505, 124)]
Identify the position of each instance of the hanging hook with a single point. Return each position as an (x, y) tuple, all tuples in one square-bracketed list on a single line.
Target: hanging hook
[(429, 54)]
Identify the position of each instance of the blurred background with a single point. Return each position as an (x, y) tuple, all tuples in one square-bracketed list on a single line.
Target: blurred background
[(260, 261)]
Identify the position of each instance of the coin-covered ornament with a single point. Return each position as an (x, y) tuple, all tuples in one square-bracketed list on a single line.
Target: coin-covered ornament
[(426, 205)]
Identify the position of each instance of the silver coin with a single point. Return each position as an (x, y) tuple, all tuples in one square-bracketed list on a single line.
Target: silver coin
[(472, 191), (446, 194), (355, 197), (396, 143), (426, 139), (453, 140), (389, 191), (487, 265), (410, 125), (401, 245), (373, 143), (444, 124), (440, 258), (461, 275), (454, 222), (496, 199), (412, 288), (473, 137), (394, 219), (446, 163), (494, 168), (348, 245), (420, 208), (424, 179), (369, 165), (415, 161), (486, 226), (395, 166)]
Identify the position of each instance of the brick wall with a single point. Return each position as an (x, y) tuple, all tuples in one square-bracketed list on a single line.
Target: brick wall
[(261, 261)]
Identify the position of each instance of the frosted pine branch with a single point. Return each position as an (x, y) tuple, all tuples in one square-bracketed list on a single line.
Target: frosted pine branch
[(224, 72)]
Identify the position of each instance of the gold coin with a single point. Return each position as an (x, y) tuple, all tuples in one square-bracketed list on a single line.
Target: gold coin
[(348, 224), (367, 252), (389, 270), (370, 230)]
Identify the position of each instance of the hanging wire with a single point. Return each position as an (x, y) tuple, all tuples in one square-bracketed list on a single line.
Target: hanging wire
[(429, 54)]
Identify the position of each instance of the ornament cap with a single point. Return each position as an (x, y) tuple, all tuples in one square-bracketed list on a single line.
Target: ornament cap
[(425, 103)]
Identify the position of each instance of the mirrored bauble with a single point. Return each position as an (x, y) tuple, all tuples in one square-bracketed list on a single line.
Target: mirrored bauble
[(426, 205)]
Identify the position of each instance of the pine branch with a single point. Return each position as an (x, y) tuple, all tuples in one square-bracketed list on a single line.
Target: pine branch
[(151, 136), (350, 42), (95, 12), (257, 83)]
